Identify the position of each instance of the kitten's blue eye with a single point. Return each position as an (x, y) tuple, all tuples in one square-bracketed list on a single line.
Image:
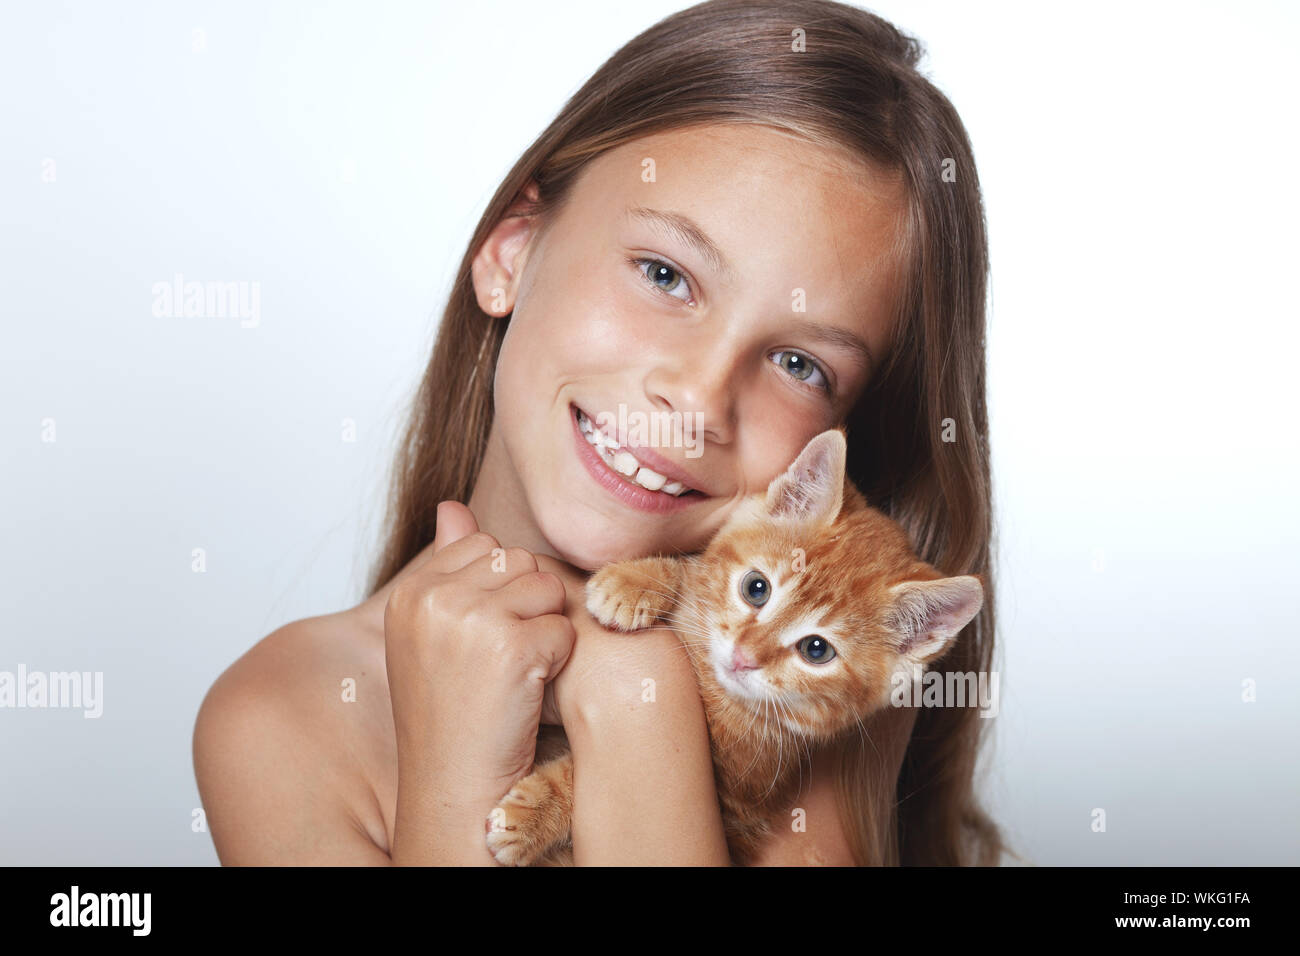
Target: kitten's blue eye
[(802, 369), (755, 588), (815, 649)]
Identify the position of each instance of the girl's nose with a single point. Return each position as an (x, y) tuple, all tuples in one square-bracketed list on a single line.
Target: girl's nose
[(696, 386)]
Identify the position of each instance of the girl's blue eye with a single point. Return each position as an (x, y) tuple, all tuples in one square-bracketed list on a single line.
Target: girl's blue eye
[(663, 277), (802, 368)]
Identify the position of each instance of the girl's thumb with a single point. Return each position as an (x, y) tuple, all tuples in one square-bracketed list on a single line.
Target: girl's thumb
[(455, 521)]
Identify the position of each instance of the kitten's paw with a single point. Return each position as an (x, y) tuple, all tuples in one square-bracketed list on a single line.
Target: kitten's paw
[(624, 599), (513, 834)]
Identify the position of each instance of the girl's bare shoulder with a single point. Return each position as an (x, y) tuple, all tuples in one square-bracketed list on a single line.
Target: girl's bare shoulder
[(309, 661), (286, 743)]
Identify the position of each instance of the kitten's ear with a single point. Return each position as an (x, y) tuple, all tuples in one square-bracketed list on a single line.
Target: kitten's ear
[(927, 615), (811, 489)]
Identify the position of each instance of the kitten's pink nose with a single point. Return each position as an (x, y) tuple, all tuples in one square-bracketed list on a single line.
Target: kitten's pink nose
[(740, 661)]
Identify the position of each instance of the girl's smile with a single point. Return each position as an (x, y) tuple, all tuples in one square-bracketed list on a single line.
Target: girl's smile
[(638, 477)]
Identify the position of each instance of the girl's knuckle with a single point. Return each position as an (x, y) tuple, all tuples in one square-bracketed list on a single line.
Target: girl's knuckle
[(521, 557), (483, 540)]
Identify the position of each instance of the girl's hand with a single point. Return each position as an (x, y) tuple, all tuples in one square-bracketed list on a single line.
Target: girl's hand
[(575, 609), (472, 638)]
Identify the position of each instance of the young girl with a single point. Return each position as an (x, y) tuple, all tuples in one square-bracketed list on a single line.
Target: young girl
[(756, 216)]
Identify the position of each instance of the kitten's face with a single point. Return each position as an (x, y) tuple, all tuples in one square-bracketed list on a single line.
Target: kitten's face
[(807, 601), (795, 621)]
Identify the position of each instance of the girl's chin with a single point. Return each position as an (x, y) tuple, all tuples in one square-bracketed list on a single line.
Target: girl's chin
[(585, 541), (582, 556)]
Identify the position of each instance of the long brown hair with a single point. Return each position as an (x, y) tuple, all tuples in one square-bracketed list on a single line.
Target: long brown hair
[(918, 439)]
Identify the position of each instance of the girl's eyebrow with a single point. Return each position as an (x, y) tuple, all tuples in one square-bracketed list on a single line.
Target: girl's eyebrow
[(835, 336), (685, 230)]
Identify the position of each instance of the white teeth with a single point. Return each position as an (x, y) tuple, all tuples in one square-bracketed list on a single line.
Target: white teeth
[(624, 462), (650, 479)]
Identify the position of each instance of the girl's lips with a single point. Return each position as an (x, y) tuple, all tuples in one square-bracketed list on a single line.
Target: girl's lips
[(624, 489)]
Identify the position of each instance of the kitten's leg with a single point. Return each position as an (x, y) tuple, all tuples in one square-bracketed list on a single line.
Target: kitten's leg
[(631, 595), (534, 816)]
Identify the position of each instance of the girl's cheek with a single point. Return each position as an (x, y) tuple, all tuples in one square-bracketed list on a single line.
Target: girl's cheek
[(607, 338)]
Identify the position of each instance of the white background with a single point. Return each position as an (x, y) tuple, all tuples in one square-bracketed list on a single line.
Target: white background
[(1138, 168)]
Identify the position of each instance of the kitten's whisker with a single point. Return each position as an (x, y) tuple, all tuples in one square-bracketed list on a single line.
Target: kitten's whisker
[(866, 735), (780, 750), (763, 735), (674, 599), (753, 719), (800, 737), (785, 710)]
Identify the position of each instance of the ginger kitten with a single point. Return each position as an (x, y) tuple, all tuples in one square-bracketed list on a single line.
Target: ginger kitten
[(795, 617)]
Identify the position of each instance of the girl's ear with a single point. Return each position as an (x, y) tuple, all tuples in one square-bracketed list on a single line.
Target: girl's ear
[(812, 489), (499, 262), (926, 616)]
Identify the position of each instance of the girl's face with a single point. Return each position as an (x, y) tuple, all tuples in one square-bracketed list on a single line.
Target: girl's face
[(714, 296)]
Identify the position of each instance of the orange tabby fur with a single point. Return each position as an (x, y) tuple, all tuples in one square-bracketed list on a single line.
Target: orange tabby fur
[(836, 568)]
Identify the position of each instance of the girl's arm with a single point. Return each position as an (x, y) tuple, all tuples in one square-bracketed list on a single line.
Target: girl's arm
[(644, 792)]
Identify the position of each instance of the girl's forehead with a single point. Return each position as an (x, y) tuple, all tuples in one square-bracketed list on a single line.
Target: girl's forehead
[(752, 207), (747, 184), (738, 156)]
